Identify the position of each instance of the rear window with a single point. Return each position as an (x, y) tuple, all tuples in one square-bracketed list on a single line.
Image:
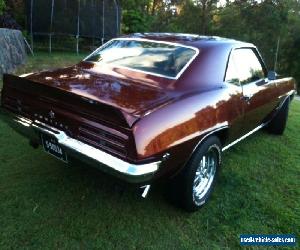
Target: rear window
[(157, 58)]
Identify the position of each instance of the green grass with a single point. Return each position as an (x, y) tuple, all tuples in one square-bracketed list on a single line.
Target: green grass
[(46, 205), (44, 61)]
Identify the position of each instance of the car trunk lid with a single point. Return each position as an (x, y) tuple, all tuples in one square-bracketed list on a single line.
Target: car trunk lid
[(133, 97)]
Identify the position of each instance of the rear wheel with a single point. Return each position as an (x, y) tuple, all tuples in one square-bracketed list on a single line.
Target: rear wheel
[(193, 186), (278, 123)]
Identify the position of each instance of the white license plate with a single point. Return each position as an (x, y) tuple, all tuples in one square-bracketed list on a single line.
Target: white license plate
[(52, 147)]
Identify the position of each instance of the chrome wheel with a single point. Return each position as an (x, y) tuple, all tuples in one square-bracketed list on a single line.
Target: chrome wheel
[(205, 175)]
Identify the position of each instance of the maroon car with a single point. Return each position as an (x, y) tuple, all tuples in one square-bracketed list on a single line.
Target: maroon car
[(146, 107)]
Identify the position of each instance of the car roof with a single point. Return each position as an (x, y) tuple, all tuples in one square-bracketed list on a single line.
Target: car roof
[(194, 40), (210, 63)]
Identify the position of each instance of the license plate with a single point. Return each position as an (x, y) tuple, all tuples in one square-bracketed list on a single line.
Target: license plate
[(52, 147)]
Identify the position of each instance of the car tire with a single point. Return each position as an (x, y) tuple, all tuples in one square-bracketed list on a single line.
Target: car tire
[(192, 187), (278, 123)]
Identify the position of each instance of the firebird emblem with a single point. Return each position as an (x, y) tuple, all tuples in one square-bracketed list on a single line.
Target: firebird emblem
[(52, 114)]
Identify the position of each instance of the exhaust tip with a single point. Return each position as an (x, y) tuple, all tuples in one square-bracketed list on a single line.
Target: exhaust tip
[(145, 191)]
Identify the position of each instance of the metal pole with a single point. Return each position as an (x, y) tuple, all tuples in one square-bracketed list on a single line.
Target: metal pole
[(26, 42), (51, 26), (78, 28), (276, 55), (50, 43), (31, 25), (103, 20), (117, 17)]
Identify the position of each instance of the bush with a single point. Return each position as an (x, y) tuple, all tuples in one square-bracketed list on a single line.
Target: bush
[(135, 21), (2, 6)]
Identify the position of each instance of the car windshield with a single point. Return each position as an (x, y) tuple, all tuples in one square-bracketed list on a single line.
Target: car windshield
[(157, 58)]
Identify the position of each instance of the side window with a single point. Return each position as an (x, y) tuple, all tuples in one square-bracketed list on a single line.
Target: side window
[(232, 75), (248, 65)]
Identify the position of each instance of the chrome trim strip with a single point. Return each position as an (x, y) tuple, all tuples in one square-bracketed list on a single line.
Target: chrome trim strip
[(96, 154), (285, 97), (279, 106), (243, 137), (133, 173), (154, 41), (211, 131), (262, 125)]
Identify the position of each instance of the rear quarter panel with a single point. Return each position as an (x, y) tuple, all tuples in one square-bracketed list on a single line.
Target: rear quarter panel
[(178, 128)]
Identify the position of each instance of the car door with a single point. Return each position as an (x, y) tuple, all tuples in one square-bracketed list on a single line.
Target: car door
[(236, 109), (257, 100)]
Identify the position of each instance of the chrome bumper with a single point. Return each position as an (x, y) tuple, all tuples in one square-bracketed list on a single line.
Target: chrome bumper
[(107, 163)]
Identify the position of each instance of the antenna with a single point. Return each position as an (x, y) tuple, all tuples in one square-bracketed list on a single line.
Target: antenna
[(276, 55)]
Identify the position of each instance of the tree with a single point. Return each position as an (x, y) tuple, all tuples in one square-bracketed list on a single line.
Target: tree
[(289, 53), (261, 23), (135, 21), (135, 15), (206, 13), (149, 15), (16, 8), (2, 6), (196, 16)]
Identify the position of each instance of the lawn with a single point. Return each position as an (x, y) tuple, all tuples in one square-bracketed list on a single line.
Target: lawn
[(44, 61), (44, 204)]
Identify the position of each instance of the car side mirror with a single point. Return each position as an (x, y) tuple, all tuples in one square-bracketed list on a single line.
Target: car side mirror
[(272, 75)]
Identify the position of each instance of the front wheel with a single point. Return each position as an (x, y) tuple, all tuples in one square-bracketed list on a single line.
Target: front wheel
[(194, 185)]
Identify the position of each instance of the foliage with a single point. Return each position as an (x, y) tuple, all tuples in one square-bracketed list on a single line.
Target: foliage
[(135, 21), (17, 8), (2, 6), (275, 21), (290, 54), (236, 21)]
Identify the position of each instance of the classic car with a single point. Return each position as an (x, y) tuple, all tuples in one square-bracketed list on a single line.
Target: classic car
[(153, 106)]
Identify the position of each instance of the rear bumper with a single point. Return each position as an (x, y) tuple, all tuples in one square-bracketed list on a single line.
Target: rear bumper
[(107, 163)]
